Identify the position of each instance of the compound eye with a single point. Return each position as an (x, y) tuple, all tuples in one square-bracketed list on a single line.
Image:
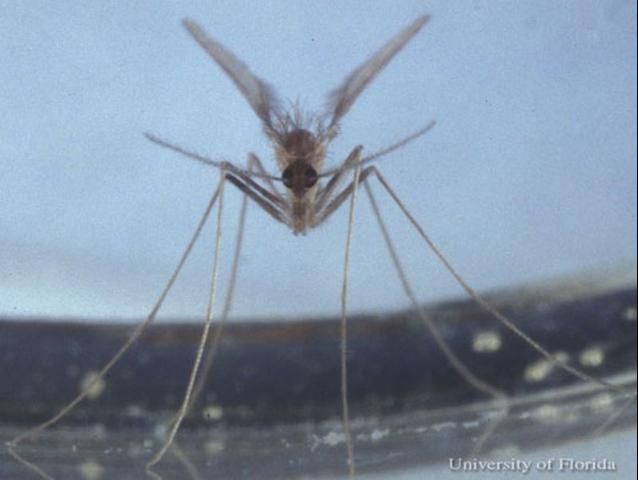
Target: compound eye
[(287, 177), (310, 176)]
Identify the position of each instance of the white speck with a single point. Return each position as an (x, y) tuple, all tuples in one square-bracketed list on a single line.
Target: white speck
[(506, 451), (487, 341), (333, 439), (547, 413), (551, 415), (212, 412), (471, 424), (92, 385), (135, 411), (592, 357), (213, 447), (98, 431), (160, 431), (379, 434), (629, 314), (444, 426), (602, 402), (540, 369), (91, 470)]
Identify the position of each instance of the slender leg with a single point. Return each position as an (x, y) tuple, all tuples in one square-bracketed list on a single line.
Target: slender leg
[(232, 280), (344, 330), (182, 458), (258, 191), (254, 161), (558, 362), (270, 201), (260, 195), (613, 417), (324, 195), (473, 380), (456, 362), (189, 396), (29, 465), (132, 338), (458, 365), (207, 325), (322, 215), (245, 175)]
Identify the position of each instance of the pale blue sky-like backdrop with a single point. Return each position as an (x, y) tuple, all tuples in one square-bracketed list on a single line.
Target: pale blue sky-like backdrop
[(529, 173)]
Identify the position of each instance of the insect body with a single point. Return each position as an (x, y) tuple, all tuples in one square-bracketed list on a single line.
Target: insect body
[(312, 195), (300, 152)]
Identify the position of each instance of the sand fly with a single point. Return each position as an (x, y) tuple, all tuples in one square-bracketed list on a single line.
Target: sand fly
[(301, 195)]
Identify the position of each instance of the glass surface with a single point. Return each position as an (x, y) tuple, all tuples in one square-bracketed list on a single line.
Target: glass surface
[(269, 406)]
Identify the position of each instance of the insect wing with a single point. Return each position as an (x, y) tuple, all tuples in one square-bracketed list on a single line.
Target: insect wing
[(341, 99), (259, 94)]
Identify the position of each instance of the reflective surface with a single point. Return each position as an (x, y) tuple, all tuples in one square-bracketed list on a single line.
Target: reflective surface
[(271, 406)]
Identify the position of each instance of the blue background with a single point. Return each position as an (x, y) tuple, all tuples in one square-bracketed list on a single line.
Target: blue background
[(529, 173)]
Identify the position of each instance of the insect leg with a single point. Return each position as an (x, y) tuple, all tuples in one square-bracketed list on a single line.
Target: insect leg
[(132, 338), (458, 365), (246, 185), (344, 329), (323, 214), (232, 280), (560, 363), (325, 193), (204, 337), (264, 199), (254, 163)]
